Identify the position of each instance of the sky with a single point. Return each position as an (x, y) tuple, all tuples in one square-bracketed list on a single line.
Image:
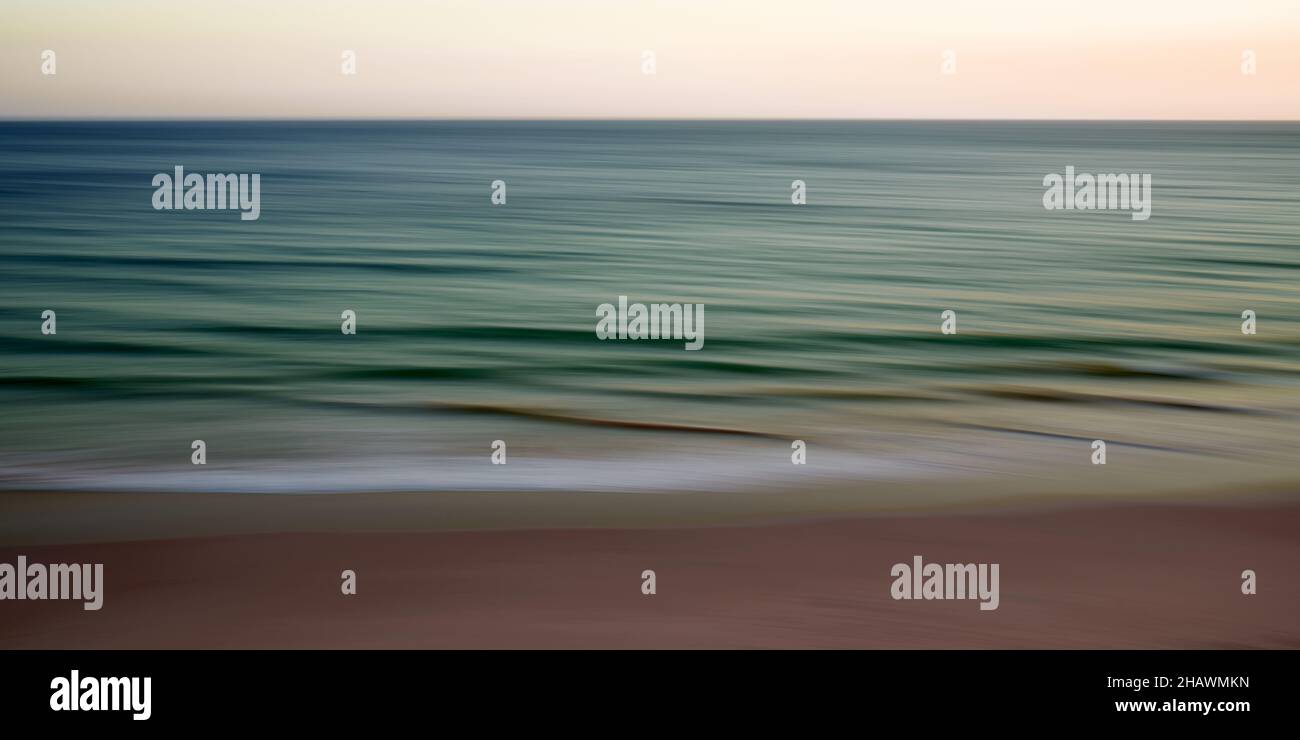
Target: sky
[(1091, 59)]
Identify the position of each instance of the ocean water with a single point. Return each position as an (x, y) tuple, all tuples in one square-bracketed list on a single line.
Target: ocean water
[(477, 322)]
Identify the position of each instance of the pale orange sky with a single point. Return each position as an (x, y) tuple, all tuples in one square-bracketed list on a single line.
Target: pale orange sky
[(1156, 59)]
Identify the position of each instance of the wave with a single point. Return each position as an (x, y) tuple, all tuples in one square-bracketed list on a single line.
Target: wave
[(589, 421), (739, 471)]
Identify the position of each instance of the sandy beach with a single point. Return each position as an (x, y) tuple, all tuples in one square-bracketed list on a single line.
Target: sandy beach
[(445, 571)]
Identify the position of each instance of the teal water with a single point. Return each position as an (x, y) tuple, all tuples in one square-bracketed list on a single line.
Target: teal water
[(476, 322)]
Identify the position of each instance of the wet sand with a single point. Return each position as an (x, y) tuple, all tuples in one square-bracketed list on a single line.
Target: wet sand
[(1073, 575)]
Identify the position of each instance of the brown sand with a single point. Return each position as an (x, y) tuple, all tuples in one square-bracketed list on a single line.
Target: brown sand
[(1119, 576)]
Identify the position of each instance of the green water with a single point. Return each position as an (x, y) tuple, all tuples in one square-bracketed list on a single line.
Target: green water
[(476, 322)]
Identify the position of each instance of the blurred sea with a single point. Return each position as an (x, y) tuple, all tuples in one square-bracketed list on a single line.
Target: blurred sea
[(476, 323)]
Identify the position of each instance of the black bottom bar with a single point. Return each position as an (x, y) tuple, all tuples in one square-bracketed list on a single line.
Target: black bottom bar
[(977, 690)]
